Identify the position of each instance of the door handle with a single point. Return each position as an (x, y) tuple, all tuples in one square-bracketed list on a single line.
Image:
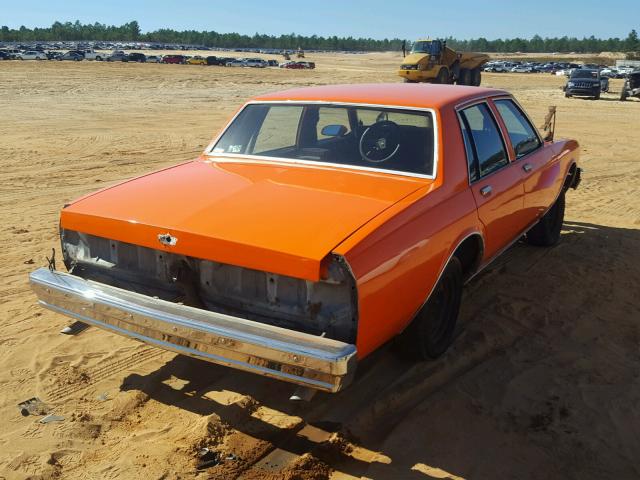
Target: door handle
[(527, 167), (484, 191)]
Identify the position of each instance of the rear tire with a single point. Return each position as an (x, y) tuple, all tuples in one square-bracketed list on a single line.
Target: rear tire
[(406, 80), (623, 93), (546, 232), (465, 77), (476, 77), (443, 76), (431, 331)]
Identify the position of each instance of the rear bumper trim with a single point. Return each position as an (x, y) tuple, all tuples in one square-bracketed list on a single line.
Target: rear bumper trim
[(296, 357)]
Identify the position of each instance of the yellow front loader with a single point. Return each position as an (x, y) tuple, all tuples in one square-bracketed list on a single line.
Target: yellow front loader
[(432, 61)]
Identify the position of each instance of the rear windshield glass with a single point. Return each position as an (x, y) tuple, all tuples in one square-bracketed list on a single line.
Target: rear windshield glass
[(383, 138)]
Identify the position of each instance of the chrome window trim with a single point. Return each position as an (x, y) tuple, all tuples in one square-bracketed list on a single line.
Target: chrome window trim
[(504, 143), (242, 158), (526, 116)]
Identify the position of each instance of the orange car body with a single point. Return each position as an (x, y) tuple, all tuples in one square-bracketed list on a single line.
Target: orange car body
[(395, 231)]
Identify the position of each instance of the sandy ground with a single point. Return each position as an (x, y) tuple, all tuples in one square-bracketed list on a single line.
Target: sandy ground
[(542, 382)]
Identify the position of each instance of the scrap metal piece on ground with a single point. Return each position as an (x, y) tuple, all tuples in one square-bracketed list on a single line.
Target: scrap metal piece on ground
[(33, 406), (52, 418), (75, 328), (207, 458)]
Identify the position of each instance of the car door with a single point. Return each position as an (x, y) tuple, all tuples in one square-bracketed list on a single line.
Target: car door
[(537, 161), (496, 183)]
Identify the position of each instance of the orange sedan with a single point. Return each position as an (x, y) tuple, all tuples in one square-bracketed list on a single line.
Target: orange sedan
[(320, 224)]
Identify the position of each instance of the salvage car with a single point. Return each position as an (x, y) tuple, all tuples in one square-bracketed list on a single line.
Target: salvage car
[(585, 82), (631, 86), (137, 57), (320, 224), (197, 60), (174, 59), (118, 56), (32, 55), (213, 60), (74, 56), (236, 62)]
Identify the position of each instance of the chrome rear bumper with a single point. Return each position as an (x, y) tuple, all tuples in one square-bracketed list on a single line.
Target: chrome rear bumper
[(300, 358)]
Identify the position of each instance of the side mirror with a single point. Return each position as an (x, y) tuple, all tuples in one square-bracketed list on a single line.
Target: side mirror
[(334, 130)]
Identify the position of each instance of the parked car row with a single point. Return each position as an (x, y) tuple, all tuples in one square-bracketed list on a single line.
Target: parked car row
[(122, 56), (109, 45), (554, 68)]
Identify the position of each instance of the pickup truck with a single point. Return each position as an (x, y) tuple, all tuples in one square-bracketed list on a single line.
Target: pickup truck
[(320, 224), (93, 55)]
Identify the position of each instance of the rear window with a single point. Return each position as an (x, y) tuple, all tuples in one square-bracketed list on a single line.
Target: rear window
[(372, 137)]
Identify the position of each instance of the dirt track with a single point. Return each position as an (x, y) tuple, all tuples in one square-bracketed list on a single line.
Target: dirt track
[(542, 381)]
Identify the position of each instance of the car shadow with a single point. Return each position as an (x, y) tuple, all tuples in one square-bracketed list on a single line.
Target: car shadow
[(509, 303)]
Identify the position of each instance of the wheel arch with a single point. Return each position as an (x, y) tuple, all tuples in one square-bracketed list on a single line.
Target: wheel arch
[(471, 247), (470, 251), (572, 177)]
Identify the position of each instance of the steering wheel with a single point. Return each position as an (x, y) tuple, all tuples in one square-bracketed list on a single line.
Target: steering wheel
[(379, 142)]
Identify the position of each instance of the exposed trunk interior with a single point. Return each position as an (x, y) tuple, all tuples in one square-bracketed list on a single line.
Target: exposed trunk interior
[(327, 307)]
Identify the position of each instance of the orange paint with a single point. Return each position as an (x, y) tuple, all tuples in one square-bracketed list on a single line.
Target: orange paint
[(396, 232)]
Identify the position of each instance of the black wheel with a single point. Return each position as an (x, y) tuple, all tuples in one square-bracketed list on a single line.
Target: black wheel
[(406, 80), (567, 95), (431, 331), (623, 93), (476, 77), (596, 96), (464, 78), (443, 76), (546, 232)]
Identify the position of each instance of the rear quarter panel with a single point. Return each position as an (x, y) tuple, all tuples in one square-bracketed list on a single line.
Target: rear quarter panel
[(397, 258)]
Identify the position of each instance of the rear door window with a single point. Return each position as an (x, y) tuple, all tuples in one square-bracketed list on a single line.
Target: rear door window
[(484, 139)]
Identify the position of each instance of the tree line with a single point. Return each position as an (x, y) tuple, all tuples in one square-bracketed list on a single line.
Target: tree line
[(549, 45), (130, 32)]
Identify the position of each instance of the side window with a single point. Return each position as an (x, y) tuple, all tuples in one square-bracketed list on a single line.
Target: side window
[(521, 132), (279, 129), (482, 133)]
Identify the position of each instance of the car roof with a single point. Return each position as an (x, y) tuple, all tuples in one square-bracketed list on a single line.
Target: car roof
[(420, 95)]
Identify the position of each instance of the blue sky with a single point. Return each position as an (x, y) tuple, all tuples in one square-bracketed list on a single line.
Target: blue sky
[(358, 18)]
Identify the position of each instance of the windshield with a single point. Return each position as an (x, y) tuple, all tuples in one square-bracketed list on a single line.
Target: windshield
[(432, 48), (372, 137), (584, 74)]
